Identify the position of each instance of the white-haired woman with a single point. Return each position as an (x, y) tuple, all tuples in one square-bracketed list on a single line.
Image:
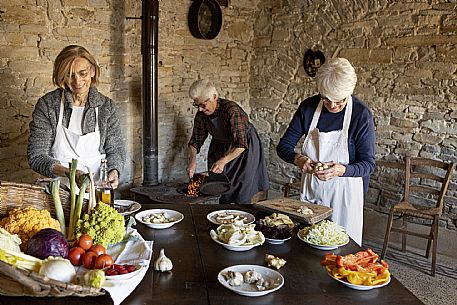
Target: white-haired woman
[(235, 148), (340, 133)]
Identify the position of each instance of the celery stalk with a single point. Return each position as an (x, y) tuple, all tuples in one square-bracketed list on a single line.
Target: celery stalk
[(54, 186), (73, 166)]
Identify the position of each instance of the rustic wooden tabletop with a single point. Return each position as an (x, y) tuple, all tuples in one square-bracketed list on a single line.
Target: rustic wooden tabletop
[(197, 260)]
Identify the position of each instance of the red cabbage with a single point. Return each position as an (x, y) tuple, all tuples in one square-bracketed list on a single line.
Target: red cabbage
[(48, 242)]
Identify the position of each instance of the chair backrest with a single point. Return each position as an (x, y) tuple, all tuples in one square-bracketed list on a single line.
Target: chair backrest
[(427, 176)]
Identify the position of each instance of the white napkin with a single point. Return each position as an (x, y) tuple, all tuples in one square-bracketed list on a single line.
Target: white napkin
[(136, 251)]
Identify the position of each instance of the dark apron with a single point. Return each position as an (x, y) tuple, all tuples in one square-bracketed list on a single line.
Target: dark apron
[(248, 172)]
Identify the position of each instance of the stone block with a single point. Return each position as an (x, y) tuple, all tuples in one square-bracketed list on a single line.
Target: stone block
[(428, 138), (403, 123), (424, 40), (355, 55)]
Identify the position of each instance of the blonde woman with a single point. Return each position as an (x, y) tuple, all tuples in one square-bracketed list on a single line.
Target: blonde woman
[(235, 148), (75, 121), (339, 132)]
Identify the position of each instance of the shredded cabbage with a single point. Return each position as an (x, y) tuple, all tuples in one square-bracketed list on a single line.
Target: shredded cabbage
[(325, 233)]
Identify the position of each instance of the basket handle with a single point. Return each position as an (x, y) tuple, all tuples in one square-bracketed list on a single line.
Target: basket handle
[(19, 276)]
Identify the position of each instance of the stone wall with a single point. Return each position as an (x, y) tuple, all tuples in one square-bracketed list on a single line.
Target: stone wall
[(33, 33), (405, 55), (404, 52)]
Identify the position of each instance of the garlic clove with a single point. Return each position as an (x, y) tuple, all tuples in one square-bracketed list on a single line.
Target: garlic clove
[(163, 263)]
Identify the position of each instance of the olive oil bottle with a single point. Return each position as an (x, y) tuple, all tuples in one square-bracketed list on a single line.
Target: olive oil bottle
[(104, 191)]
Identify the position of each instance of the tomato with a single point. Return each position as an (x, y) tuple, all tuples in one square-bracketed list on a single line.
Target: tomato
[(89, 260), (75, 256), (103, 261), (97, 249), (85, 241), (111, 272)]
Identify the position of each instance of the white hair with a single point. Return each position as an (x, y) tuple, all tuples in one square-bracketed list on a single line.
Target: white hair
[(336, 79), (202, 89)]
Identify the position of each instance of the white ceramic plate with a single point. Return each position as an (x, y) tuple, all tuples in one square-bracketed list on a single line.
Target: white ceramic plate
[(235, 247), (125, 276), (127, 206), (175, 217), (275, 241), (212, 217), (321, 247), (248, 289), (359, 287)]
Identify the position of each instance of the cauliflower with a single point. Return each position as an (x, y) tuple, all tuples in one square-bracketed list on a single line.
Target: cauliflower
[(25, 222), (104, 224)]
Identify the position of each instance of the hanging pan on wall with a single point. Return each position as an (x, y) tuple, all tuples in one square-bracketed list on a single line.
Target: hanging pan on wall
[(205, 19)]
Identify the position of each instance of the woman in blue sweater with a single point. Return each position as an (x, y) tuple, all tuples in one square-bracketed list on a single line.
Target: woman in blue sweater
[(339, 133)]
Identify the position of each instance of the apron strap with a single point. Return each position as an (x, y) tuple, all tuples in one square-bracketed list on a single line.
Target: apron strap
[(347, 116), (61, 108), (316, 115)]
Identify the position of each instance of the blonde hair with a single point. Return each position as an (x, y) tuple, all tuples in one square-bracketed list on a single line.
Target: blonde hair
[(202, 88), (64, 63), (336, 79)]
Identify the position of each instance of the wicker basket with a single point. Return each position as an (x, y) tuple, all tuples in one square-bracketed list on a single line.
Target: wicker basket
[(17, 282)]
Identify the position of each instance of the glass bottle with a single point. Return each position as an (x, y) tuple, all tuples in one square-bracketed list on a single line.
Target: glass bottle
[(104, 191)]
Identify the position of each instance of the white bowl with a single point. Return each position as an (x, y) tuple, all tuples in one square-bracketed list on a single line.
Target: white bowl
[(212, 217), (174, 215), (125, 276), (321, 247), (235, 247), (247, 289), (359, 287), (275, 241), (128, 206)]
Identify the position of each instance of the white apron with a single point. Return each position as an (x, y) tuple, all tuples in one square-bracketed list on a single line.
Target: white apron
[(69, 145), (343, 194)]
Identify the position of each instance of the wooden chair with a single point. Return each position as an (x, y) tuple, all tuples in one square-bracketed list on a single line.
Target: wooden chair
[(428, 178)]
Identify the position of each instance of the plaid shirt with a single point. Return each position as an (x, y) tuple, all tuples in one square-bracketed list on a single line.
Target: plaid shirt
[(234, 117)]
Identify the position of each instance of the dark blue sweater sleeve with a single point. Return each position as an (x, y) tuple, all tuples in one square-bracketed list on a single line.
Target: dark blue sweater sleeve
[(296, 129), (362, 142)]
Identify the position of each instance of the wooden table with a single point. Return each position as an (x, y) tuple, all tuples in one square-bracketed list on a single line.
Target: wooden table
[(197, 260)]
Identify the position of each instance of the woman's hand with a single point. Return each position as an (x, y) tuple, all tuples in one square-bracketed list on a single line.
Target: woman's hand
[(304, 163), (334, 170), (113, 178), (218, 166)]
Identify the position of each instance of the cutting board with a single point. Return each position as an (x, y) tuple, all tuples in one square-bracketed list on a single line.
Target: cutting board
[(290, 206)]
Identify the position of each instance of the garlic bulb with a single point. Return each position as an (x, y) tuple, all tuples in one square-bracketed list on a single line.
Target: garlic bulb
[(234, 278), (163, 263)]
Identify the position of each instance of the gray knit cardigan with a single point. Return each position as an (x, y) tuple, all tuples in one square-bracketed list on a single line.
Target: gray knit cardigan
[(44, 123)]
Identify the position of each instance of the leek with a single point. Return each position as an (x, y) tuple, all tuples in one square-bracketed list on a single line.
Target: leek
[(54, 186), (73, 166), (79, 202)]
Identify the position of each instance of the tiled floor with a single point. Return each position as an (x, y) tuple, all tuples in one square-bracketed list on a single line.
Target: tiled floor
[(437, 290)]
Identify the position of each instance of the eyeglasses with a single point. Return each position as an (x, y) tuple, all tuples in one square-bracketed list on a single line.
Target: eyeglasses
[(201, 105), (83, 73), (327, 100)]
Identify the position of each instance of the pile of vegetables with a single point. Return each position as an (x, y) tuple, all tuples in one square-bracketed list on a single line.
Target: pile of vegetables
[(104, 224), (25, 222), (325, 233), (91, 256), (44, 239)]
